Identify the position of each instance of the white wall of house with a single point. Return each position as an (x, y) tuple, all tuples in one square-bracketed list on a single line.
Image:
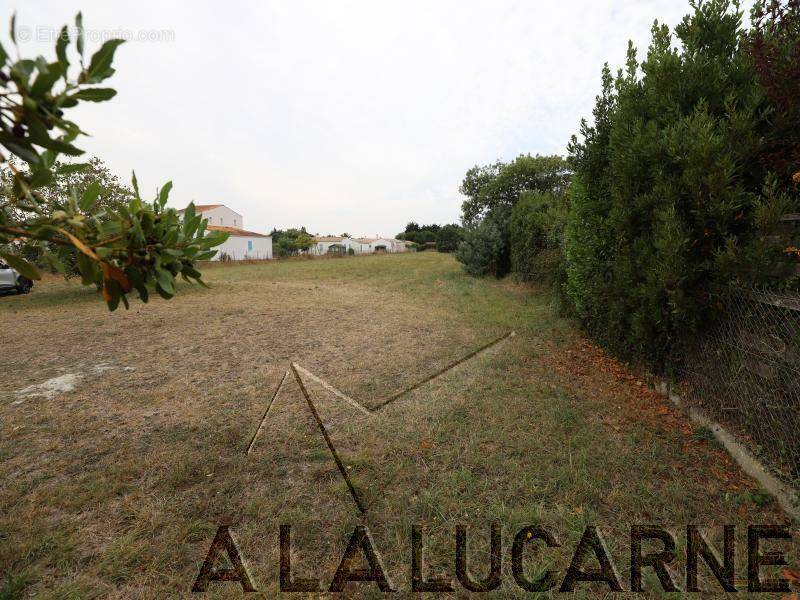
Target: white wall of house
[(359, 245), (369, 245), (399, 246), (242, 247), (321, 247), (224, 217)]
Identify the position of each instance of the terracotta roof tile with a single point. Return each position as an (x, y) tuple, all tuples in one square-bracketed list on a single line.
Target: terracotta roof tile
[(236, 231), (202, 207)]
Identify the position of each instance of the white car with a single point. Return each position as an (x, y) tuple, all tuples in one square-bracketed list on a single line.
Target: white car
[(12, 280)]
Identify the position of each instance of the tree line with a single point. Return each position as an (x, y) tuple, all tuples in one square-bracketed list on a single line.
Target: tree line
[(443, 238), (674, 190)]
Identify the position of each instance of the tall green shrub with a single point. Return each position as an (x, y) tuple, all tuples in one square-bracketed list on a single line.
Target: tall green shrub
[(493, 191), (484, 250), (498, 187), (668, 199), (536, 230), (449, 237)]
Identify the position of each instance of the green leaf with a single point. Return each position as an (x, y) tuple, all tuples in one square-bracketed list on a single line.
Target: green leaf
[(25, 268), (61, 47), (192, 272), (86, 267), (165, 281), (90, 196), (72, 168), (45, 79), (41, 177), (112, 293), (41, 64), (164, 194), (100, 64), (24, 67), (37, 131), (22, 149), (81, 35), (215, 238), (48, 157), (190, 222), (54, 262), (135, 184), (14, 27), (94, 94)]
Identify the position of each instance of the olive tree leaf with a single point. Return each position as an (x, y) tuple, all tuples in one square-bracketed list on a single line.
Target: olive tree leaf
[(79, 43), (135, 184), (45, 79), (164, 193), (61, 47), (25, 268), (79, 244), (165, 282), (100, 65), (94, 94), (72, 168), (90, 195)]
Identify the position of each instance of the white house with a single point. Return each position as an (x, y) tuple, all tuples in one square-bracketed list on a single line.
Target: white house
[(325, 244), (331, 244), (382, 244), (241, 244)]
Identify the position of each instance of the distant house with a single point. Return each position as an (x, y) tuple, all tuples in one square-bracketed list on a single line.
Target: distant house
[(334, 245), (381, 244), (241, 244), (343, 245)]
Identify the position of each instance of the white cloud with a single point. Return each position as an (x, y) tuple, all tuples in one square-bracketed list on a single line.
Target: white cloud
[(345, 115)]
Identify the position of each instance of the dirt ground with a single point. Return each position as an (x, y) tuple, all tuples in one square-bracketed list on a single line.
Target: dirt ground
[(124, 436)]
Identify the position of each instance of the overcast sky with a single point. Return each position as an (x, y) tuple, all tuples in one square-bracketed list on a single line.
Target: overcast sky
[(353, 116)]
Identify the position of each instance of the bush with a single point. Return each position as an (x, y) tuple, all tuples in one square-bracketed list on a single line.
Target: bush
[(484, 250), (536, 230), (291, 242), (498, 187), (774, 45), (669, 200), (448, 238)]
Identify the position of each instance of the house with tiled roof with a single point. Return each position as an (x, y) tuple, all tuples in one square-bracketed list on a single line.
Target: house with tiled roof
[(364, 245), (241, 243), (382, 244), (334, 244)]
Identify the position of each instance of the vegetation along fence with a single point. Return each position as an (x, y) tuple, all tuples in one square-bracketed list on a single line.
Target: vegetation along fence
[(746, 374)]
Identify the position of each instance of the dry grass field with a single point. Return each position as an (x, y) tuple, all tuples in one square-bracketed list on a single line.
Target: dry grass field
[(116, 476)]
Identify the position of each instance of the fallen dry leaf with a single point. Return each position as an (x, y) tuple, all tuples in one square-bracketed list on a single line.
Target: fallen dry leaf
[(792, 575)]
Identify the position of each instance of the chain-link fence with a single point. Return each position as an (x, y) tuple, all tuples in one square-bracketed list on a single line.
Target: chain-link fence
[(746, 374)]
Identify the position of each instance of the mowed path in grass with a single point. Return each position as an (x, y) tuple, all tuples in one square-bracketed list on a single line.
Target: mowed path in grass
[(116, 487)]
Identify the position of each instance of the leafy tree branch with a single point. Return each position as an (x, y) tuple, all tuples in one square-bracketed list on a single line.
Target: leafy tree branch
[(120, 246)]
